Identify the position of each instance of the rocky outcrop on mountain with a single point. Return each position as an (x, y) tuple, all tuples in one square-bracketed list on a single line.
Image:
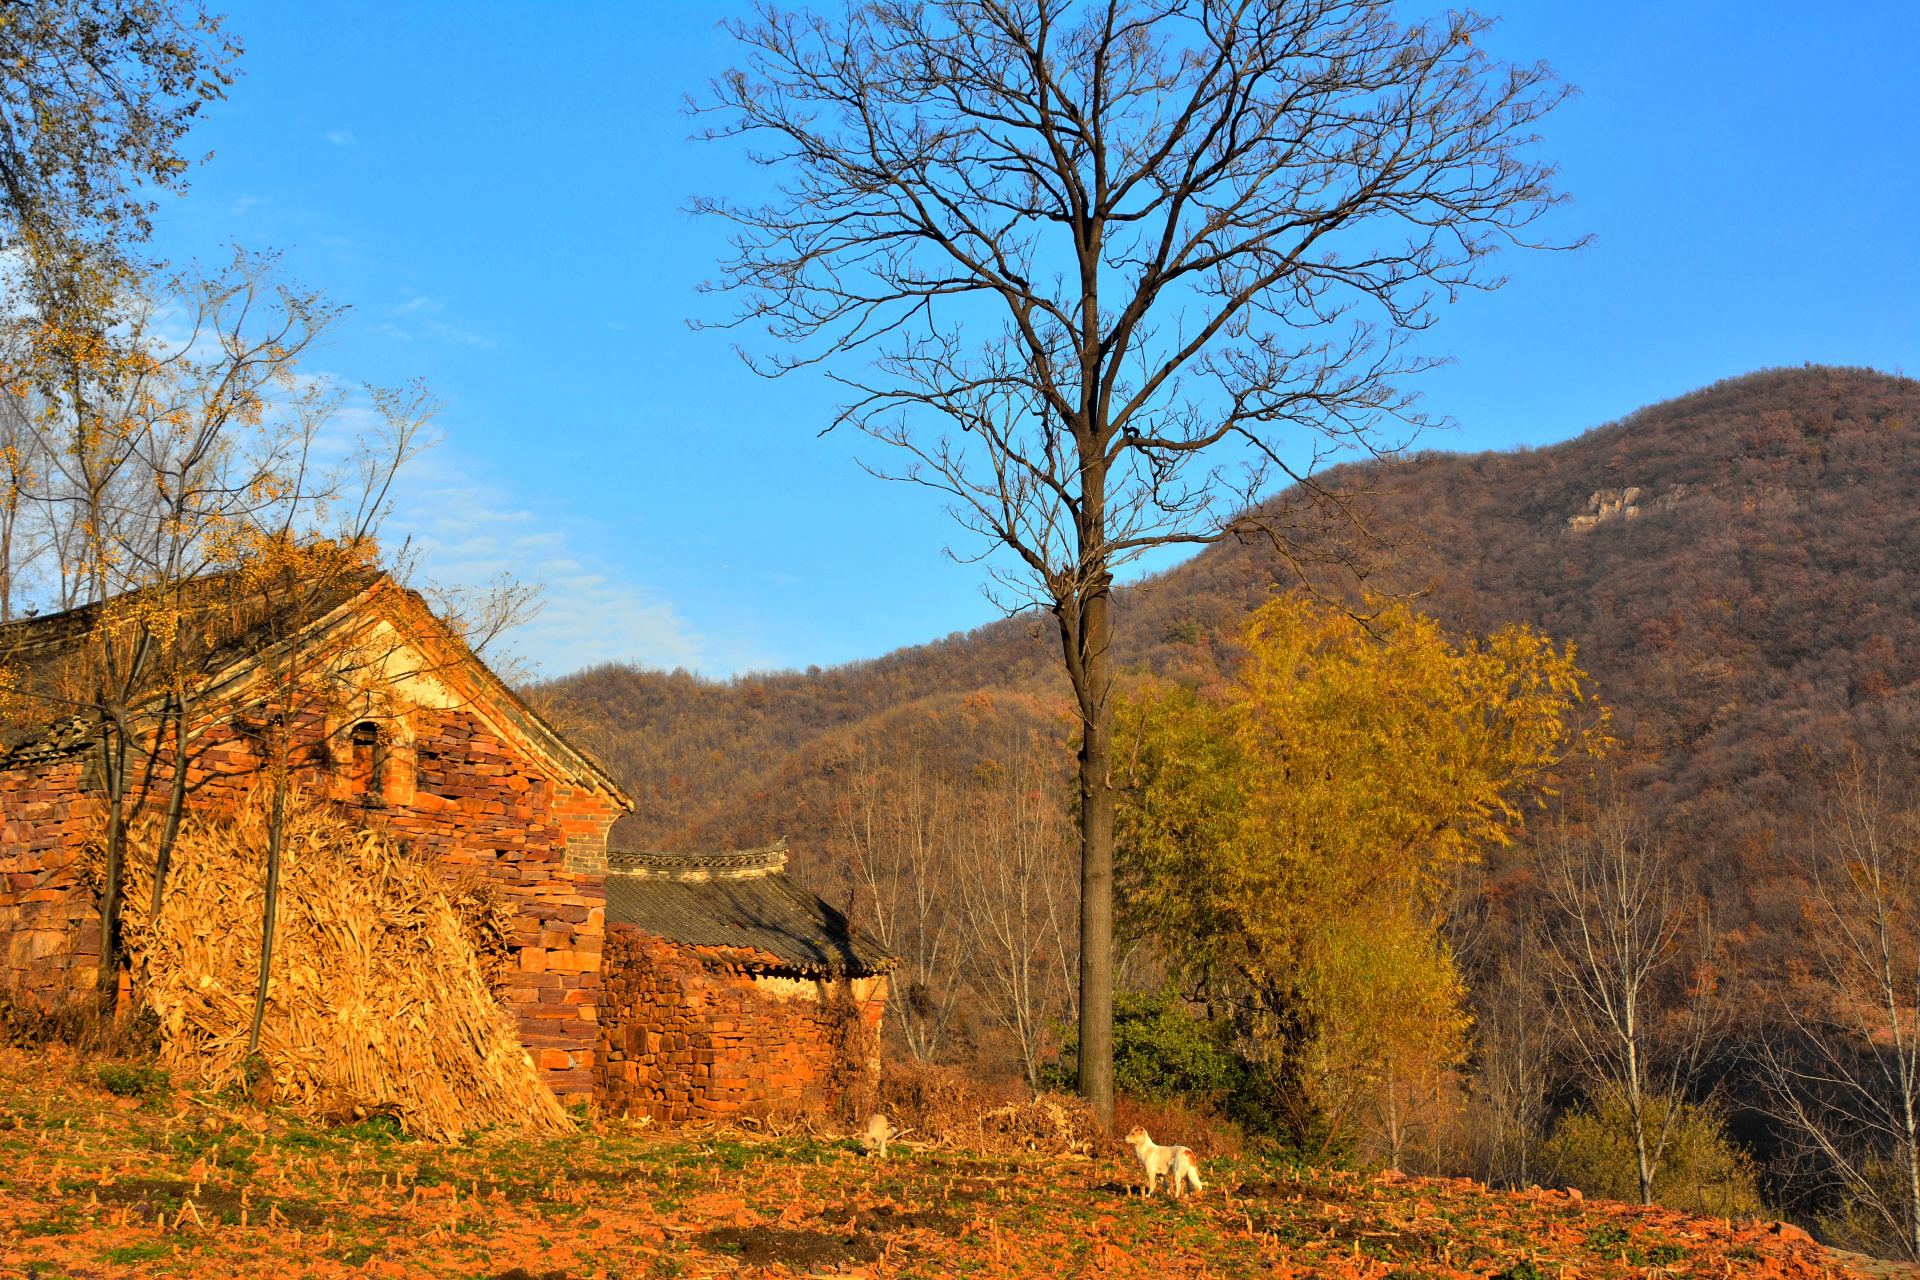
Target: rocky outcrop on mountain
[(1606, 504), (1624, 504)]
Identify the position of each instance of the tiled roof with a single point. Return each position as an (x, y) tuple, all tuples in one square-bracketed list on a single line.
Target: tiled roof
[(36, 650), (760, 911)]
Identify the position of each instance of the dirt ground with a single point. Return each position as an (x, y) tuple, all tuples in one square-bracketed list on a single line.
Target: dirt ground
[(174, 1183)]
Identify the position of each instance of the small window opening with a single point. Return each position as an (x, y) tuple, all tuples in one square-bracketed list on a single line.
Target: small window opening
[(369, 761)]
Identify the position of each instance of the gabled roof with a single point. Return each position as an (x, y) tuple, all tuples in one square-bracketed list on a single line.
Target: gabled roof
[(741, 902), (33, 648)]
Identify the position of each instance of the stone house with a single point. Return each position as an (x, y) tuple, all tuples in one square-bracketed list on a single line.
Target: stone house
[(446, 755), (726, 988)]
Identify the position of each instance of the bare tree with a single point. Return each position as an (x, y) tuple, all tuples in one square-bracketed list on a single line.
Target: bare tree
[(1015, 898), (1848, 1085), (179, 452), (897, 829), (160, 441), (1146, 256), (1630, 967), (1516, 1045)]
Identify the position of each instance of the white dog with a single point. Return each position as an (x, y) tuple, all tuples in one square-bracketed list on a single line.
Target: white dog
[(1175, 1164), (879, 1133)]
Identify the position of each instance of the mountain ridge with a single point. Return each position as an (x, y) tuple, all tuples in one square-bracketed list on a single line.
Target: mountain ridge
[(1748, 610)]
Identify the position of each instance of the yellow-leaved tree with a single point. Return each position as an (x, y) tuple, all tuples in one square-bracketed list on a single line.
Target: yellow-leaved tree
[(1285, 840)]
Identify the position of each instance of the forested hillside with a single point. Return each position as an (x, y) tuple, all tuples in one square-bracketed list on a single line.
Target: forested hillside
[(1756, 608), (1734, 570)]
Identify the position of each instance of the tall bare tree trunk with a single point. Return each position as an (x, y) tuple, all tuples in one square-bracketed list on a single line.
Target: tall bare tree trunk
[(1637, 1108), (1094, 684)]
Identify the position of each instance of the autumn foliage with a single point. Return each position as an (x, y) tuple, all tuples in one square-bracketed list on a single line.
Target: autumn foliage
[(1284, 838)]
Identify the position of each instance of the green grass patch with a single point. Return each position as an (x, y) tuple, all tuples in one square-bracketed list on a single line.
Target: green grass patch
[(355, 1255), (130, 1253), (126, 1081), (1609, 1235), (379, 1130)]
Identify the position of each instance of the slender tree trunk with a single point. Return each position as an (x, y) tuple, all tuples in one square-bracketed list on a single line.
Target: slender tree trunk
[(1913, 1170), (1909, 1121), (1636, 1108), (112, 763), (6, 562), (114, 735), (1395, 1138), (176, 803), (269, 914), (1096, 852)]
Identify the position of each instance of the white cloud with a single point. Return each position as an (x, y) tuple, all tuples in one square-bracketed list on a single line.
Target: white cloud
[(468, 532), (423, 314), (588, 618), (245, 203), (341, 137)]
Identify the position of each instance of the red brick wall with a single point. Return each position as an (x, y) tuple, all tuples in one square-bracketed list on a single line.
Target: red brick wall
[(49, 929), (686, 1036), (473, 802)]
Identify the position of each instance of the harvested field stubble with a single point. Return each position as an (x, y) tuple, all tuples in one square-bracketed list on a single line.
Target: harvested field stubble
[(89, 1188), (378, 1003)]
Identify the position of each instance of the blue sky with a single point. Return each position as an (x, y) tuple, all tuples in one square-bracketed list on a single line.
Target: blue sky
[(497, 191)]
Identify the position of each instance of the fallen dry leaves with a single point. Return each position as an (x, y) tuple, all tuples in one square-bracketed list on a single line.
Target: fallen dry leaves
[(190, 1186)]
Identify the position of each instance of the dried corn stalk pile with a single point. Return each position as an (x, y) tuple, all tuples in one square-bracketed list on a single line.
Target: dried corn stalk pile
[(941, 1106), (377, 998)]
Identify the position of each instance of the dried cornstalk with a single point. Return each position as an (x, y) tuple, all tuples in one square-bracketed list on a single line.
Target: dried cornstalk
[(377, 997)]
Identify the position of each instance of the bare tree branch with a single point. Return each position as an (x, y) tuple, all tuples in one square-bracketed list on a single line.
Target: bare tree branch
[(1107, 272)]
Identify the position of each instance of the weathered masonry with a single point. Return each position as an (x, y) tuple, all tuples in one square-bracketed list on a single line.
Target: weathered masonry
[(446, 756), (726, 988)]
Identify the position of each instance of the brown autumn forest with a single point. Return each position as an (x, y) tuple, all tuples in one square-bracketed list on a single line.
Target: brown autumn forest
[(1754, 628), (1761, 606)]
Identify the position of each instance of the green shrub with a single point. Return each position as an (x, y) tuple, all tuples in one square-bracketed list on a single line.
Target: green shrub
[(1701, 1171), (1162, 1053), (1159, 1051), (125, 1081)]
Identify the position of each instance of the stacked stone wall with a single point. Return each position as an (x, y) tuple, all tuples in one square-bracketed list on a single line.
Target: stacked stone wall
[(49, 929), (691, 1034), (474, 804)]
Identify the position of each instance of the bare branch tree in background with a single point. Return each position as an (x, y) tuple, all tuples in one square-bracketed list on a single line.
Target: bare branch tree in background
[(183, 460), (1516, 1045), (155, 448), (1014, 896), (24, 464), (1117, 268), (1848, 1087), (289, 553), (898, 829), (1630, 960)]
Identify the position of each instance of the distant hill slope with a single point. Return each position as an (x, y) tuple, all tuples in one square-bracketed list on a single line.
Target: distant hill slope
[(1749, 609)]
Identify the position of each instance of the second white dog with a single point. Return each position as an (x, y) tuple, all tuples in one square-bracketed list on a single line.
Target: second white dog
[(1175, 1164)]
